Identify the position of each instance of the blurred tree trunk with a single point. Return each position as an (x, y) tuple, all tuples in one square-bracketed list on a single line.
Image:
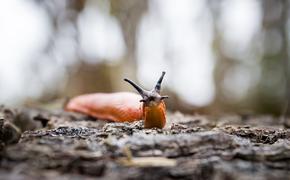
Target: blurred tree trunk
[(269, 95), (271, 90), (224, 63), (129, 13), (285, 56)]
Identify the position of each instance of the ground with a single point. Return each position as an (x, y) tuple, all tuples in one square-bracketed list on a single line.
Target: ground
[(61, 145)]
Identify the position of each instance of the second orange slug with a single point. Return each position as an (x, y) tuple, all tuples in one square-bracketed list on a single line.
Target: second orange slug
[(124, 106)]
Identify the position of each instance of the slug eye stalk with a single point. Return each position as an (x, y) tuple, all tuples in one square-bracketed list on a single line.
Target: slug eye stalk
[(153, 95), (158, 85), (140, 90)]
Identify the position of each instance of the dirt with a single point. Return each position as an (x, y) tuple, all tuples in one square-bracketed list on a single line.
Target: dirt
[(38, 144)]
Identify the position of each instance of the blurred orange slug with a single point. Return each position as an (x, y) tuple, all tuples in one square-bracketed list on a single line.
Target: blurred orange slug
[(124, 106)]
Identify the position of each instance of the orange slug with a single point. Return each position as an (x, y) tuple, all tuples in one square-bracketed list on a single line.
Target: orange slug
[(124, 106)]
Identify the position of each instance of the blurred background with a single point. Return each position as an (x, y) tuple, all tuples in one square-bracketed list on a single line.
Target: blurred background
[(220, 56)]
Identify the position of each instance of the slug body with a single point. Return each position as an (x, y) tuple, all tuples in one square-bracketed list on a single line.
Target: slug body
[(118, 107), (124, 106)]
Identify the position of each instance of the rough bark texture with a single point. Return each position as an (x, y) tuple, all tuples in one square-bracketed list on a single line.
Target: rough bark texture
[(60, 145)]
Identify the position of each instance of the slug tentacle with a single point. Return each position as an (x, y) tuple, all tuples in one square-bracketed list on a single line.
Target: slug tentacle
[(149, 96), (158, 85), (140, 90)]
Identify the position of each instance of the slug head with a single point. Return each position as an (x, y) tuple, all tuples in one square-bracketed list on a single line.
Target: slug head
[(150, 98), (153, 106)]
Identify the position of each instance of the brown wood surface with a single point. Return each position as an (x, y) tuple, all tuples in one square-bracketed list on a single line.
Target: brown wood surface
[(60, 145)]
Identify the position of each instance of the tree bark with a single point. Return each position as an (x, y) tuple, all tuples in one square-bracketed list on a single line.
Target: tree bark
[(70, 145)]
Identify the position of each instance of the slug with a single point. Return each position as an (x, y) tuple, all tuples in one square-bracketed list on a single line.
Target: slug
[(124, 106)]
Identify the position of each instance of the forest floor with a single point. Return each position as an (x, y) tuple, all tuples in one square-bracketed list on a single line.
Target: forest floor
[(60, 145)]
